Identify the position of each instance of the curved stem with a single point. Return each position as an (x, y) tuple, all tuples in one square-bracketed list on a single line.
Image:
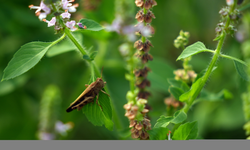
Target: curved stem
[(210, 67), (58, 40), (94, 69), (77, 44)]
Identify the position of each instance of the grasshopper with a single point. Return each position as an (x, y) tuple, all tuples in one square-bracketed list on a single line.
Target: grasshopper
[(88, 95)]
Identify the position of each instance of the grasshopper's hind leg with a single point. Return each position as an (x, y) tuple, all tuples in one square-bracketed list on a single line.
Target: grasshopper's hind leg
[(81, 104), (97, 97)]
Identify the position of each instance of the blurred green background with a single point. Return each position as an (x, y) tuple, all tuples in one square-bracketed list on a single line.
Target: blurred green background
[(20, 97)]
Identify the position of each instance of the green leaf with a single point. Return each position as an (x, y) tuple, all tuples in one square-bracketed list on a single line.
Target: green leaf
[(25, 58), (164, 121), (240, 66), (193, 49), (218, 37), (241, 70), (208, 96), (92, 54), (186, 131), (176, 92), (64, 46), (9, 86), (86, 57), (91, 25), (179, 84), (184, 97), (158, 133), (95, 114), (179, 117)]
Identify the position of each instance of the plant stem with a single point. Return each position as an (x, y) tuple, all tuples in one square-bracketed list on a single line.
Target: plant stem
[(210, 67), (58, 40), (131, 71), (94, 70), (73, 39)]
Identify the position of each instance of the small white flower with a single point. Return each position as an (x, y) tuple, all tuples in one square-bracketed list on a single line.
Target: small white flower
[(230, 2), (62, 128), (42, 16), (42, 6), (66, 15), (115, 26), (46, 136), (146, 31), (66, 5), (169, 136), (52, 22), (71, 25)]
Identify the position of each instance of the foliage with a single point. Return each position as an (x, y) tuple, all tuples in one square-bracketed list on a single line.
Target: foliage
[(27, 71)]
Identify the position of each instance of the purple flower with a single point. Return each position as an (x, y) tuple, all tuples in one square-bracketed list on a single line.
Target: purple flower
[(66, 15), (71, 25), (80, 25)]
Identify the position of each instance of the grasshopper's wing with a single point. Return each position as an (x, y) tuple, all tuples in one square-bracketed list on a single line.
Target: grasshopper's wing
[(80, 97)]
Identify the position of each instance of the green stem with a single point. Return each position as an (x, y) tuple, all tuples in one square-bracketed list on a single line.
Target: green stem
[(58, 40), (230, 57), (94, 70), (73, 39), (210, 67)]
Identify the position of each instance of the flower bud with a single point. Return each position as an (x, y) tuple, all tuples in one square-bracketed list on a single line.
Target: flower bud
[(135, 134), (127, 106), (144, 111), (132, 123), (144, 135), (139, 126), (139, 3)]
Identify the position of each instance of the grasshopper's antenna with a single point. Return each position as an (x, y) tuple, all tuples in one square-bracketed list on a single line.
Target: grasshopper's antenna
[(101, 72)]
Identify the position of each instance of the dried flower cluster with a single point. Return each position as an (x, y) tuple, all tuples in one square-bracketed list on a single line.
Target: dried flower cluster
[(172, 102), (186, 74), (136, 111), (234, 19)]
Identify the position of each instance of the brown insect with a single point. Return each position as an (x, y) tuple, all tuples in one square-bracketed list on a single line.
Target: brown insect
[(88, 95)]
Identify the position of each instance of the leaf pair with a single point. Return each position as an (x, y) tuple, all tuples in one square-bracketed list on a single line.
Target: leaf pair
[(177, 88), (199, 47), (31, 53), (185, 131), (164, 121)]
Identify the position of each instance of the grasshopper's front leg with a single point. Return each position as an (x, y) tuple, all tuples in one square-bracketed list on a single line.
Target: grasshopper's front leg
[(105, 93), (97, 97)]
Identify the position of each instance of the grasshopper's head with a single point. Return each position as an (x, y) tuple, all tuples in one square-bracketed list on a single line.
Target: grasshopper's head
[(100, 83)]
